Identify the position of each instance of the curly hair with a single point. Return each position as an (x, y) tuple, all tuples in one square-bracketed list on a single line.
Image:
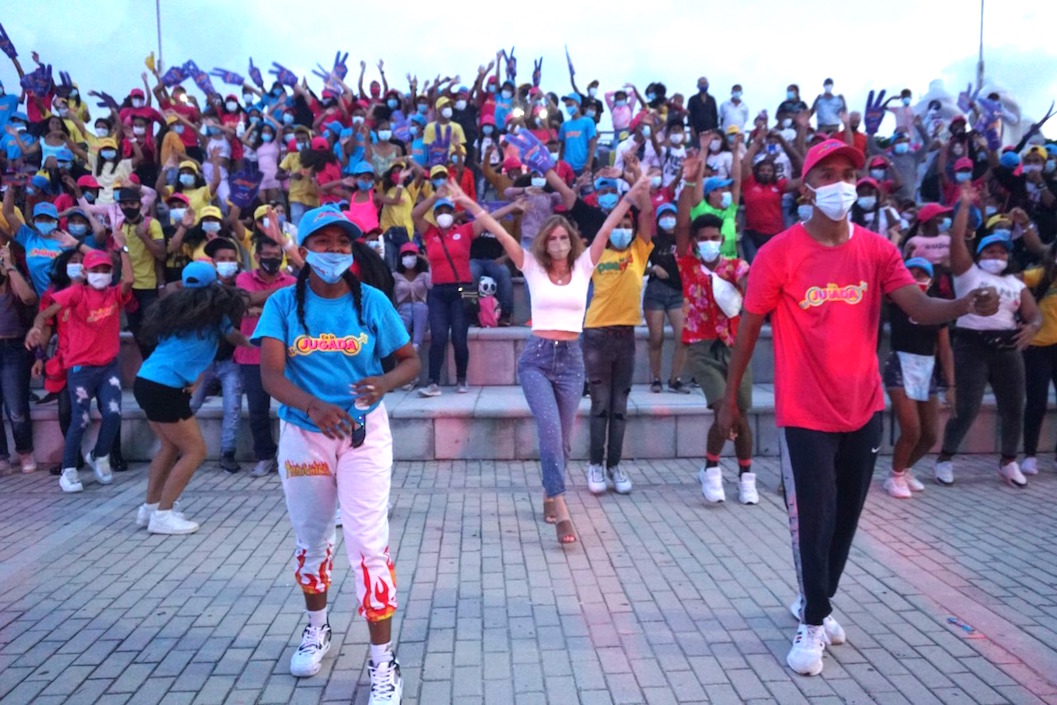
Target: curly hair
[(198, 310)]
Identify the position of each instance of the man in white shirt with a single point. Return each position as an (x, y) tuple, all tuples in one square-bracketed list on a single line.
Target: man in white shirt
[(734, 112)]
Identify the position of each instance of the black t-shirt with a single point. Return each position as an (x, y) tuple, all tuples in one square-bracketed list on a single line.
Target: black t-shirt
[(910, 337), (587, 218), (663, 254), (485, 246), (467, 120)]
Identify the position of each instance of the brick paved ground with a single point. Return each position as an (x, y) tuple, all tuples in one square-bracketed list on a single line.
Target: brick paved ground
[(665, 600)]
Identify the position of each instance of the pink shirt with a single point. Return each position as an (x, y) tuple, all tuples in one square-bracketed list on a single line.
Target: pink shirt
[(252, 282), (363, 213)]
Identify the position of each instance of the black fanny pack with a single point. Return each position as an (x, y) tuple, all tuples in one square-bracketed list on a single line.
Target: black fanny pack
[(994, 339)]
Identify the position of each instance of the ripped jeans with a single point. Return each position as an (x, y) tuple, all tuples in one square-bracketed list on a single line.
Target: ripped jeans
[(85, 383)]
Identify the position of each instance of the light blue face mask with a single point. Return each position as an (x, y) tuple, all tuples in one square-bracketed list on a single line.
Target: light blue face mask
[(725, 200), (45, 228), (329, 266), (804, 212), (608, 201), (709, 249), (77, 229), (901, 148), (620, 237)]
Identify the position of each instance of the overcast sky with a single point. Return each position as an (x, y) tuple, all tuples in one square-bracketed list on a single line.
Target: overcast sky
[(763, 44)]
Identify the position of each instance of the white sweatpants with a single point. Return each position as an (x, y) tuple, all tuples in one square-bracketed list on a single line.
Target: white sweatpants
[(318, 471)]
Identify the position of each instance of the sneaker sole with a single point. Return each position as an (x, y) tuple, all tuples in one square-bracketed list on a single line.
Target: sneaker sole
[(172, 532), (813, 671), (72, 490), (596, 490), (944, 483), (749, 502), (1012, 483)]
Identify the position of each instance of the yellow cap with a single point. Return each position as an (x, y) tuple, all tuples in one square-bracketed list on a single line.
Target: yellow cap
[(210, 212), (108, 142), (260, 212), (996, 219), (439, 169), (188, 164), (442, 101)]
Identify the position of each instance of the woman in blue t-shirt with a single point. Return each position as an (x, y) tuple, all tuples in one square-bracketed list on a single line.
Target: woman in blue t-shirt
[(186, 326), (322, 343)]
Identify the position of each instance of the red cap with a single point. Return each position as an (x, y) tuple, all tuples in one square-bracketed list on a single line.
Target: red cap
[(958, 118), (88, 181), (511, 163), (878, 161), (320, 143), (97, 258), (963, 163), (488, 120), (231, 96), (930, 210), (492, 79), (868, 181), (832, 148), (136, 93), (134, 179), (409, 248), (177, 196)]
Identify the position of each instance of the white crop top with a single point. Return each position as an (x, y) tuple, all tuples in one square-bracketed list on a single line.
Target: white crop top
[(558, 307)]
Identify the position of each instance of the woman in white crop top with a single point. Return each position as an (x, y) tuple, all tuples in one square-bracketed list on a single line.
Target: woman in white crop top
[(557, 269)]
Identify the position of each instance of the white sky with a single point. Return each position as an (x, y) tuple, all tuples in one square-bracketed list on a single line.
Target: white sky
[(763, 44)]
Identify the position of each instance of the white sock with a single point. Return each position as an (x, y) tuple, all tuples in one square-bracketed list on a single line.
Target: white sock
[(318, 618), (151, 507), (381, 653)]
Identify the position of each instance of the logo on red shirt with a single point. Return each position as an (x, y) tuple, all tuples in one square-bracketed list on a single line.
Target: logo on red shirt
[(328, 342), (100, 314), (818, 295)]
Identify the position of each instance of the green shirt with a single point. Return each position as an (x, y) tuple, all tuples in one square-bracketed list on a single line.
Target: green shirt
[(729, 229)]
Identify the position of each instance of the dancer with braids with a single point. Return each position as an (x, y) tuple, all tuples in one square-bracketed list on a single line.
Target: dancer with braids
[(186, 326), (322, 343)]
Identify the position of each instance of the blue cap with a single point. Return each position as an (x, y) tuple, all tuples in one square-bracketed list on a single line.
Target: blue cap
[(197, 275), (976, 218), (335, 127), (574, 97), (46, 209), (63, 155), (40, 182), (605, 182), (441, 202), (1051, 148), (1010, 160), (714, 182), (319, 218), (419, 119), (363, 167), (993, 239), (921, 263), (462, 89), (20, 116), (77, 211), (666, 208)]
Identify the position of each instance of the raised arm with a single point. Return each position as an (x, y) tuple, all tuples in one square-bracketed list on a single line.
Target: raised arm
[(486, 221), (961, 258), (559, 185), (598, 245)]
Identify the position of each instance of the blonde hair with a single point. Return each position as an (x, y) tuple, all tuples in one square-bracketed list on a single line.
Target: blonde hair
[(539, 244)]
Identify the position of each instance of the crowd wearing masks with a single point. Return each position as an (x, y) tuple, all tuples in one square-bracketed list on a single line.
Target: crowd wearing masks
[(244, 235)]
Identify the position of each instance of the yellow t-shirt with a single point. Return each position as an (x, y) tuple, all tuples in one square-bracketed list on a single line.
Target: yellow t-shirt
[(457, 135), (398, 216), (617, 299), (1047, 335), (302, 190), (7, 227), (199, 198), (143, 272)]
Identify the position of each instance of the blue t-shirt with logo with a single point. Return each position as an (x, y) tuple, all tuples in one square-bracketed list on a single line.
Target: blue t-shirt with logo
[(180, 359), (40, 255), (335, 351), (577, 135)]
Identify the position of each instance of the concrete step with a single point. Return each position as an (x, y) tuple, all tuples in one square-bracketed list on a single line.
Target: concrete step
[(494, 423)]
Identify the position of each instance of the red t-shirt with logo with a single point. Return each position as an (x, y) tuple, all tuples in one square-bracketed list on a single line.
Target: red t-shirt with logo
[(93, 327), (457, 240), (763, 205), (825, 306)]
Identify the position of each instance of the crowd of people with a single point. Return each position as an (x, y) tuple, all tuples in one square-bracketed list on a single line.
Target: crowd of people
[(296, 245)]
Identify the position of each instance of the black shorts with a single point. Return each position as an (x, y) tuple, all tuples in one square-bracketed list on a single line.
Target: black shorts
[(160, 402)]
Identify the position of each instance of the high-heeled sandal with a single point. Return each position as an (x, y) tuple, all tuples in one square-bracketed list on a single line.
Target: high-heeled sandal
[(564, 527), (549, 514)]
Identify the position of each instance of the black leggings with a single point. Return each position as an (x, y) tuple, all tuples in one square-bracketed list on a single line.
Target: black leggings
[(1040, 371)]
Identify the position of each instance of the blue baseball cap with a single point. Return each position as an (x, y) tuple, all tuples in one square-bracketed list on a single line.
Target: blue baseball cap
[(995, 239), (335, 127), (363, 167), (666, 208), (318, 218), (419, 119), (63, 155), (442, 202), (604, 182), (462, 89), (574, 97), (920, 263), (45, 209), (714, 182), (198, 275)]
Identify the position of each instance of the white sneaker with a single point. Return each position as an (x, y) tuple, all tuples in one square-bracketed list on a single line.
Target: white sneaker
[(432, 390), (100, 467), (263, 468), (1030, 466), (28, 462), (913, 483), (387, 686), (834, 631), (805, 657), (145, 512), (621, 482), (596, 479), (747, 493), (315, 643), (944, 472), (70, 481), (712, 484), (1010, 472), (168, 522), (896, 485), (462, 387)]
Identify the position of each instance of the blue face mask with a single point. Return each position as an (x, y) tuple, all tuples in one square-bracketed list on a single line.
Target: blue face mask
[(608, 201), (392, 103), (212, 131), (962, 176), (45, 228), (187, 179), (901, 148), (620, 237), (422, 108), (77, 229), (365, 184), (487, 130), (790, 95), (651, 97), (571, 109), (328, 266), (437, 183), (89, 196), (725, 200), (944, 225), (620, 102), (267, 137)]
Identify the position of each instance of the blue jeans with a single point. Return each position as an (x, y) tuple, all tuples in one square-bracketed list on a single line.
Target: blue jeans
[(297, 210), (504, 287), (552, 377), (84, 383), (14, 389), (415, 316), (260, 405), (447, 313), (231, 385)]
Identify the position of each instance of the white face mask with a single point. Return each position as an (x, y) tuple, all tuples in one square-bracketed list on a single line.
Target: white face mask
[(709, 249), (226, 270), (992, 266), (677, 137), (445, 112), (539, 181), (877, 174), (867, 203), (804, 213), (725, 200), (102, 131), (99, 280), (667, 223), (409, 261), (137, 130), (444, 220), (714, 145), (137, 102), (460, 104), (835, 200)]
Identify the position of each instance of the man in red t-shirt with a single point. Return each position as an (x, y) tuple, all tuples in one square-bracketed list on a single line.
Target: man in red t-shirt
[(821, 282)]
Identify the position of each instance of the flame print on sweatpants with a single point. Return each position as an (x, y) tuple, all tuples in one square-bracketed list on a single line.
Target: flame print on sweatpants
[(314, 582), (377, 593)]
